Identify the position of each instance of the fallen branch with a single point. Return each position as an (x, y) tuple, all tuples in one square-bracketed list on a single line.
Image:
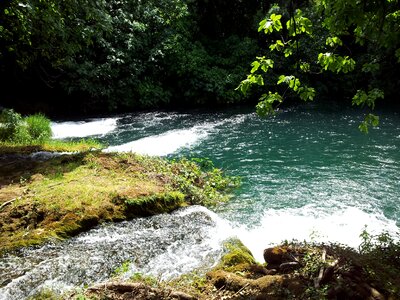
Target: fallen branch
[(7, 202), (117, 286), (122, 288)]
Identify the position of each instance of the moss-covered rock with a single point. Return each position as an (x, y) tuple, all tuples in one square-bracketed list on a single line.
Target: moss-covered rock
[(237, 257)]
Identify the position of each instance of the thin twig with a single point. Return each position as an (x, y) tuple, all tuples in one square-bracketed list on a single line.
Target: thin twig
[(7, 202), (243, 287)]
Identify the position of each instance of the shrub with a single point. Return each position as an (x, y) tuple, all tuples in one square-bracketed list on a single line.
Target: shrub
[(39, 127), (33, 129), (9, 123)]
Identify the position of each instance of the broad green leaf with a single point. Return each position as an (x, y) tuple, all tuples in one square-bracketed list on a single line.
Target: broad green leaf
[(255, 65), (271, 24), (305, 67), (266, 64), (283, 78), (259, 80), (278, 45), (288, 52), (306, 93), (300, 23), (336, 63), (262, 25)]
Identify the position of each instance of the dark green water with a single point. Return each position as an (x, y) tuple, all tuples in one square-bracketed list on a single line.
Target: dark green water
[(308, 172)]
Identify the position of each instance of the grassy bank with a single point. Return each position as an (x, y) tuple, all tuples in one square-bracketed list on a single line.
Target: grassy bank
[(65, 195)]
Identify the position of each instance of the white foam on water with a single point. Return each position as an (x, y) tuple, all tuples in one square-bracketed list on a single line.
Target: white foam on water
[(83, 129), (173, 140), (166, 143), (313, 224)]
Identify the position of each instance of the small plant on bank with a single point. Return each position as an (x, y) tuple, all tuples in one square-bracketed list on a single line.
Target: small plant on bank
[(202, 185), (122, 268), (149, 280), (380, 258), (45, 294), (33, 134)]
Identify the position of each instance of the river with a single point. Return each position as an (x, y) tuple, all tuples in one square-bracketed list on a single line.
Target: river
[(308, 173)]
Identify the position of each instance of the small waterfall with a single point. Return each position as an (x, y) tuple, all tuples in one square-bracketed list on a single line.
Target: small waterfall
[(165, 246), (81, 129), (171, 141), (165, 143)]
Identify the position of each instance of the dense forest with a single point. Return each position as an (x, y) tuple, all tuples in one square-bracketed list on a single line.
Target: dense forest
[(123, 55)]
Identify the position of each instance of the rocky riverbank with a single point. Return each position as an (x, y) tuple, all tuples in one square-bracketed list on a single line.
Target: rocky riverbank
[(290, 271)]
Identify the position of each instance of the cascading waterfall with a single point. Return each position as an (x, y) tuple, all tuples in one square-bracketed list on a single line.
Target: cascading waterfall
[(164, 246), (308, 174)]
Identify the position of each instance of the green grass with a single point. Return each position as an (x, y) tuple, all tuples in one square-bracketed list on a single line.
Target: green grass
[(38, 127), (33, 133), (51, 146)]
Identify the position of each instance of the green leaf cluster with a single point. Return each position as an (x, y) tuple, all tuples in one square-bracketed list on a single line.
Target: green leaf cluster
[(362, 98), (355, 39), (266, 105), (270, 24), (295, 26), (299, 24), (202, 184), (336, 63)]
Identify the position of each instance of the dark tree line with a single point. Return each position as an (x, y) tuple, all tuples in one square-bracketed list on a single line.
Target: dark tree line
[(97, 56), (125, 54)]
